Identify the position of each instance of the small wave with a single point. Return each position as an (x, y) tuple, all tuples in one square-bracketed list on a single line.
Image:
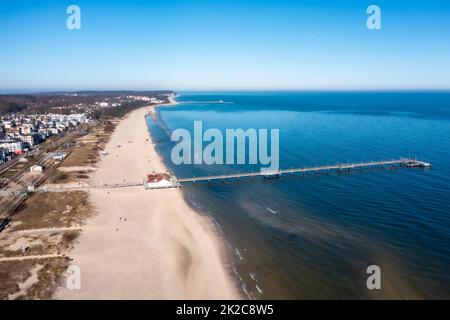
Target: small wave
[(259, 289), (239, 254), (244, 288), (252, 275), (243, 285), (271, 210)]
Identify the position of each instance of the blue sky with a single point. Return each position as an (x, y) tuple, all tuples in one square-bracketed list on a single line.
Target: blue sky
[(224, 45)]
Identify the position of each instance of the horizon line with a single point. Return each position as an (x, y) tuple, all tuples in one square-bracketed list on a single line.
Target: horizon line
[(49, 91)]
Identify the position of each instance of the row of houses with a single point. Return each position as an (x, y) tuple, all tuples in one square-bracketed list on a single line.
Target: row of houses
[(144, 98), (20, 133), (26, 124), (118, 103), (109, 101)]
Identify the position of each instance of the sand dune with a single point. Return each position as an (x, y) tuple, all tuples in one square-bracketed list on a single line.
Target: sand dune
[(145, 244)]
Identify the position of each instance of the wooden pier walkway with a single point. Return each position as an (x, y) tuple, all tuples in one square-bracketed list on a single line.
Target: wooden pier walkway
[(407, 162)]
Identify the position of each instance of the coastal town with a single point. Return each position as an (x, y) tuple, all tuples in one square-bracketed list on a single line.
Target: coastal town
[(20, 134)]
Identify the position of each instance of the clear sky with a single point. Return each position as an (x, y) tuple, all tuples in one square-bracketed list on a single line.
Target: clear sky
[(224, 45)]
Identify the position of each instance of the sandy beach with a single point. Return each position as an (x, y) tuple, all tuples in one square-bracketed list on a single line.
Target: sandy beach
[(145, 244)]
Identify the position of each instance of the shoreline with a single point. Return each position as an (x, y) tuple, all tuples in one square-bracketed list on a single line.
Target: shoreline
[(146, 244), (211, 223)]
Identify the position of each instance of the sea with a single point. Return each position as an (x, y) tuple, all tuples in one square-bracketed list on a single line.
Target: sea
[(314, 236)]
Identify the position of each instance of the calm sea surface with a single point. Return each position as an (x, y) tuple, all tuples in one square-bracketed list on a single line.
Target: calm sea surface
[(313, 236)]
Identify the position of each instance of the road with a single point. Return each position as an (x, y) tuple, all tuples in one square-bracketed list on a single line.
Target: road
[(22, 258)]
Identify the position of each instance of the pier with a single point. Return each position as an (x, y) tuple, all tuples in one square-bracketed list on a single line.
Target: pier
[(174, 182), (342, 167)]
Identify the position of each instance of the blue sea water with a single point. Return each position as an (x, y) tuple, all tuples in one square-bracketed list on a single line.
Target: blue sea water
[(313, 236)]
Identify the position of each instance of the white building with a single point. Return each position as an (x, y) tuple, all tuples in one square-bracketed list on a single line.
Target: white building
[(59, 156), (158, 181), (14, 146), (29, 139), (36, 169), (7, 124)]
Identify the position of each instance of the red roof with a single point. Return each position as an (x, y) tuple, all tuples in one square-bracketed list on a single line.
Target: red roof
[(157, 177)]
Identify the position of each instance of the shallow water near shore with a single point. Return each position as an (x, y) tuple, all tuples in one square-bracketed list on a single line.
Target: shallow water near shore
[(313, 236)]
